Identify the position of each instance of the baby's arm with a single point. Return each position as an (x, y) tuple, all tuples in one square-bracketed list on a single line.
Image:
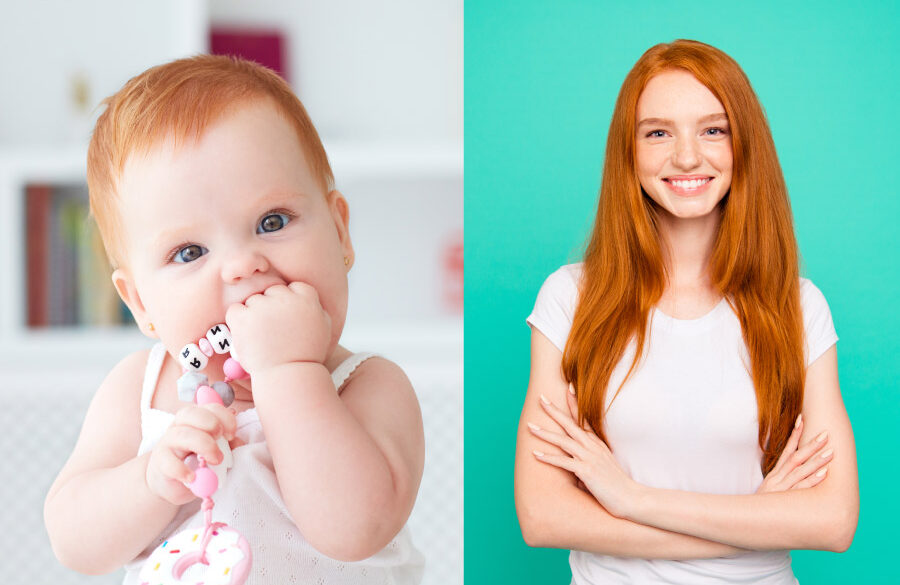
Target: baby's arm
[(348, 465), (101, 511)]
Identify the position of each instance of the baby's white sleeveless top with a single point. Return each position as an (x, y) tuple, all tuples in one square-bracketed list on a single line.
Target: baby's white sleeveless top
[(250, 501)]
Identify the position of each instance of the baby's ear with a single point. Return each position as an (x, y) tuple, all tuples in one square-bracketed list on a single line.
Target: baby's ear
[(340, 212), (124, 284)]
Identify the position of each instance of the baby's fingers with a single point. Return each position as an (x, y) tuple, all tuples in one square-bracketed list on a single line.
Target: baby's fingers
[(183, 440), (213, 419), (172, 467)]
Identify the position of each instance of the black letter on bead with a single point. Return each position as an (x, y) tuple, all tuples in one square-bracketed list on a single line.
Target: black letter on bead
[(186, 352), (223, 344), (196, 363), (215, 329)]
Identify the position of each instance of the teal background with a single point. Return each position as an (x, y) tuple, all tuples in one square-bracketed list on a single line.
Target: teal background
[(541, 79)]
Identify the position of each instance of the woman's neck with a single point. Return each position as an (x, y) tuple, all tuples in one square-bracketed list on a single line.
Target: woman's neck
[(687, 245)]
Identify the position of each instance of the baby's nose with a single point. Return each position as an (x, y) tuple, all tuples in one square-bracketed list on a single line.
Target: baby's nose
[(243, 264)]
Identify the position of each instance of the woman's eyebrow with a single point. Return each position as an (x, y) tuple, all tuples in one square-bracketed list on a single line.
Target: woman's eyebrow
[(708, 118)]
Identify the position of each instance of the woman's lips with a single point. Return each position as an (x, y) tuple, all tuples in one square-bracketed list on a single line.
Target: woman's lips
[(682, 188)]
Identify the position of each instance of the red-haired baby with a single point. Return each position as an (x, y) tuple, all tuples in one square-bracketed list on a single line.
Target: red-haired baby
[(216, 205)]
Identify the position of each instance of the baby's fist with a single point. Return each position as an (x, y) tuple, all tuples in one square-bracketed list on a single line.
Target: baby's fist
[(283, 324)]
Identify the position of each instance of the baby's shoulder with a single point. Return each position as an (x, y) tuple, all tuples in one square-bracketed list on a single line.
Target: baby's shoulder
[(376, 372), (123, 382)]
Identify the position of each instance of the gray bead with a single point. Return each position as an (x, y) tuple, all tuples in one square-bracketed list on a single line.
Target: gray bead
[(188, 384), (225, 392)]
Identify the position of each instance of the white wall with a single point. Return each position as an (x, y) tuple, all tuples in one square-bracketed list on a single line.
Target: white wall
[(45, 45), (391, 71)]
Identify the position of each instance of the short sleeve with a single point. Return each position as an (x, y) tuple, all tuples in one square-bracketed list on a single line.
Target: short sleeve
[(554, 308), (817, 322)]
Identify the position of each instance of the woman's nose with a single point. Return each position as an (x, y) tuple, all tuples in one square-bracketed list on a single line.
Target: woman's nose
[(687, 155), (239, 265)]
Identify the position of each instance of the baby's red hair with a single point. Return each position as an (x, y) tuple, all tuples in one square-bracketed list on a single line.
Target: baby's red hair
[(181, 100)]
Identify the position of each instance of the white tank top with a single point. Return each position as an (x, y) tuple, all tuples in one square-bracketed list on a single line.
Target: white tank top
[(250, 501)]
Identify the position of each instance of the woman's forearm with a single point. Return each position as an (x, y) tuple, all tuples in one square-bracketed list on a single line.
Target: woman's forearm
[(572, 519), (795, 519), (101, 519)]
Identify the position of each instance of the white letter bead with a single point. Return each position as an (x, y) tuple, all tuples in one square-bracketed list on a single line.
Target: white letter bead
[(192, 358), (220, 338)]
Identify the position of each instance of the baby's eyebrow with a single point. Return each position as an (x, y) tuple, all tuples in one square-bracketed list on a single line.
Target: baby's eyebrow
[(166, 236), (664, 121)]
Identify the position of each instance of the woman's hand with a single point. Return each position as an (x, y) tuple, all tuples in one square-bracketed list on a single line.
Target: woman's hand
[(588, 458), (798, 467)]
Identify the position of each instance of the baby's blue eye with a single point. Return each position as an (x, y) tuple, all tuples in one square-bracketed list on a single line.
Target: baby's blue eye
[(189, 253), (272, 223)]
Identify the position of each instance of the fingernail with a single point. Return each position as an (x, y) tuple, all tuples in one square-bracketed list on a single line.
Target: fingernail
[(821, 472), (827, 454), (544, 399), (821, 437), (533, 427), (797, 424), (538, 453)]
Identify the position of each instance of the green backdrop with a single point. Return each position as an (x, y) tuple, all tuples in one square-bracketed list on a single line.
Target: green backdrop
[(541, 79)]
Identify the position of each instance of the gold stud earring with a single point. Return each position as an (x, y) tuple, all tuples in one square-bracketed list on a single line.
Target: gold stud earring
[(346, 260), (151, 327)]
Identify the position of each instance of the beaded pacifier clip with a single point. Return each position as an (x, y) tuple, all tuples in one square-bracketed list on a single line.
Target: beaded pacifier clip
[(215, 554)]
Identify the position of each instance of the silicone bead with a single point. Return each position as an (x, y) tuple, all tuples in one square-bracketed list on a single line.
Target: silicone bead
[(188, 383), (220, 338), (205, 482), (192, 358), (225, 392), (234, 370), (205, 347), (206, 395)]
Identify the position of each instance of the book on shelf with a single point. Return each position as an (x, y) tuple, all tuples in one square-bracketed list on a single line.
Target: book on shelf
[(67, 273)]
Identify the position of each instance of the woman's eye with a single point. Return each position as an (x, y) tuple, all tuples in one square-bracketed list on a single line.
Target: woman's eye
[(189, 253), (272, 223), (719, 131), (652, 134)]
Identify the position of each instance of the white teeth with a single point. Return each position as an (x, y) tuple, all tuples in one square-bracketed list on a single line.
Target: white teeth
[(690, 184)]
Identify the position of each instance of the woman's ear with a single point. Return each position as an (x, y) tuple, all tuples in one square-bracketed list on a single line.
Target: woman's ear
[(124, 284), (340, 212)]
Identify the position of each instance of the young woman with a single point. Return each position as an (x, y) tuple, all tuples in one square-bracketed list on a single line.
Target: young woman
[(684, 422)]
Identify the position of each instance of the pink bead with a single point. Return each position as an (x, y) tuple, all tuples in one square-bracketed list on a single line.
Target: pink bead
[(205, 482), (205, 347), (234, 370), (206, 395)]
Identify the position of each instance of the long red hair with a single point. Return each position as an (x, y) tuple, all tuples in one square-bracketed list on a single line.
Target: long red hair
[(754, 261)]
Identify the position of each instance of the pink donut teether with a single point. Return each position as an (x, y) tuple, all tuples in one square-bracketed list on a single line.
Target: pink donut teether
[(188, 557)]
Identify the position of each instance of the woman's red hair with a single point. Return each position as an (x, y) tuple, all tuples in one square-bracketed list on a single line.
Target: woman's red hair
[(754, 261)]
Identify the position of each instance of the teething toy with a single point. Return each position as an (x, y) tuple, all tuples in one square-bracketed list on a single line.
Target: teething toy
[(215, 554)]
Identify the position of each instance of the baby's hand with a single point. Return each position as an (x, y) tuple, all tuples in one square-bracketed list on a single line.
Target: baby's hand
[(194, 430), (284, 324)]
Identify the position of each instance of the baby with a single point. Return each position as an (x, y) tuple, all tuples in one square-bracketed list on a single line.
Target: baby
[(215, 201)]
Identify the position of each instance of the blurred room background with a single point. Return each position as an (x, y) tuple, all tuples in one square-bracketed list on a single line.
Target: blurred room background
[(384, 85)]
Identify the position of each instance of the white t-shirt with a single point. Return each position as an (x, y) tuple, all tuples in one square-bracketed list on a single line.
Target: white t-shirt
[(685, 420)]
